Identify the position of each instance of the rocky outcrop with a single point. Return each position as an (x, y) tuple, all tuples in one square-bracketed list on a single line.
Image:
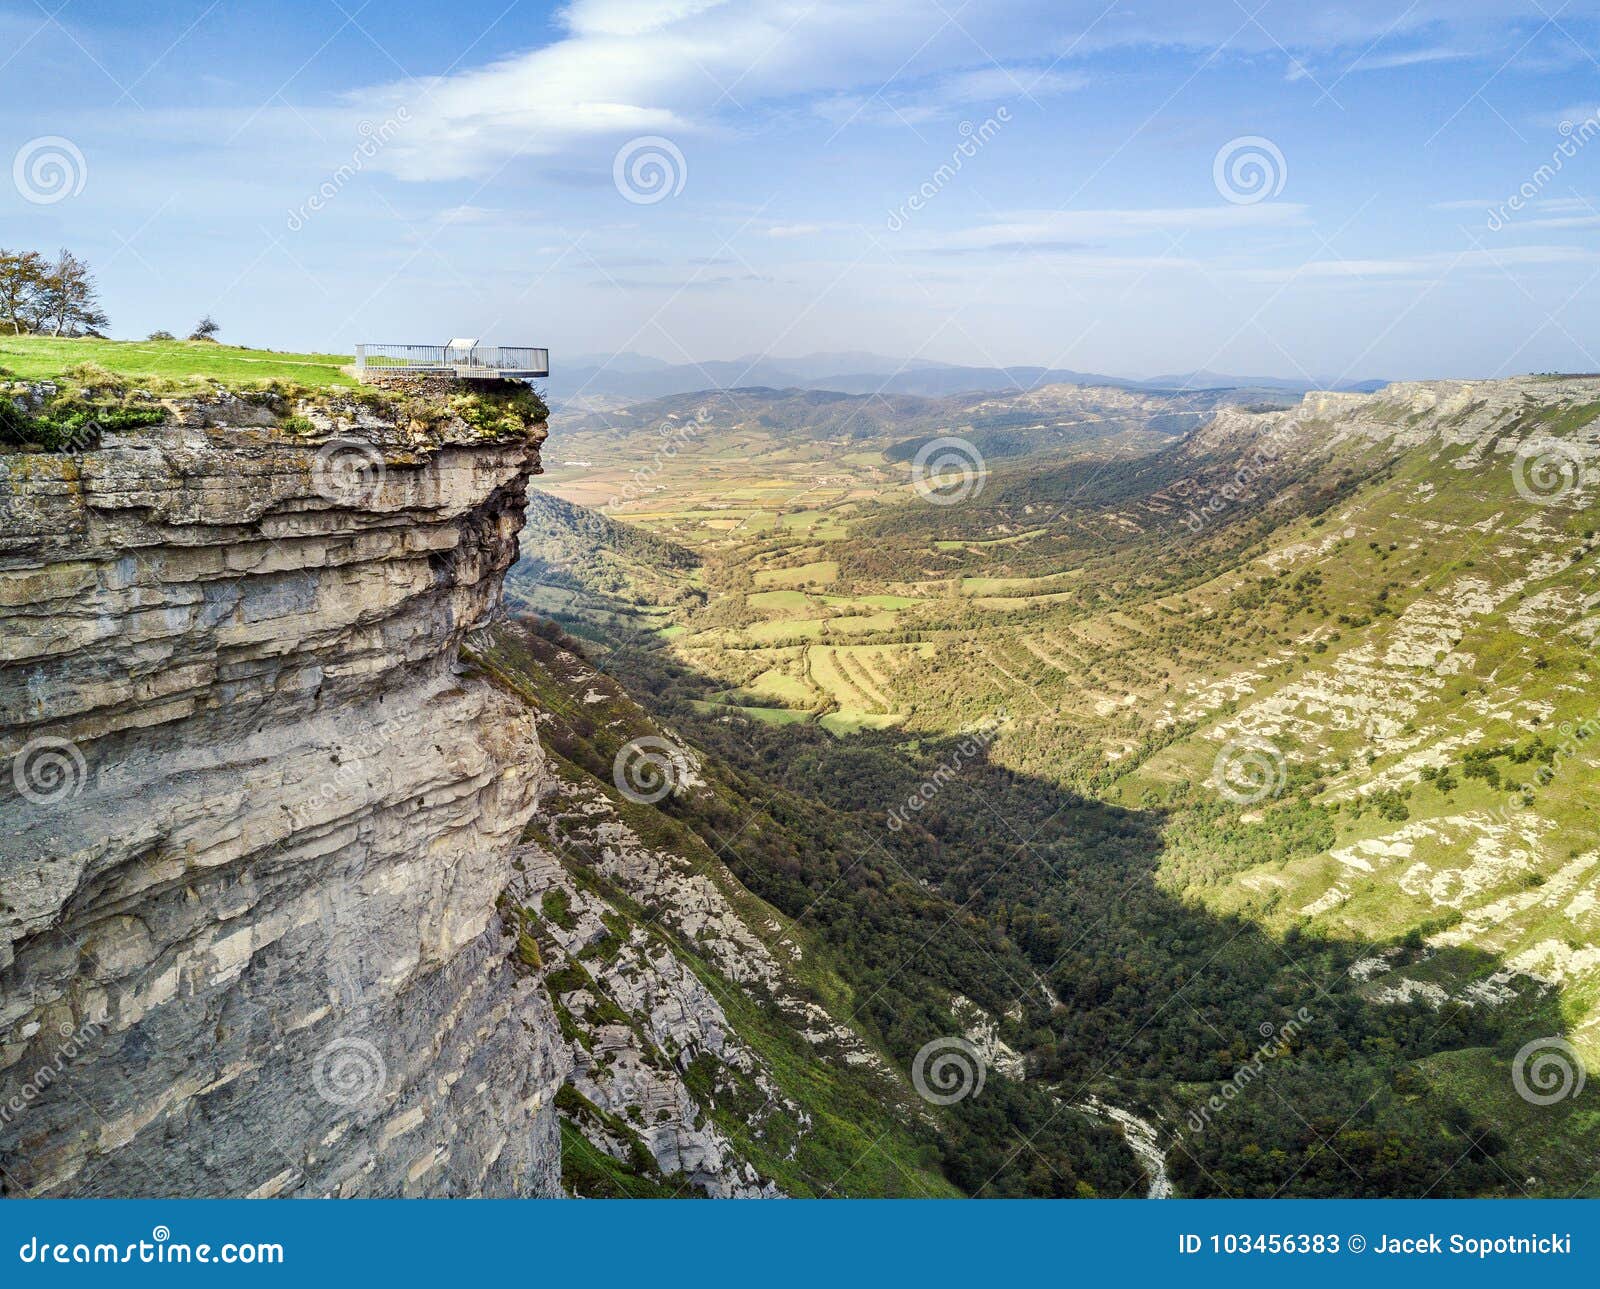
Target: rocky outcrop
[(257, 818), (641, 1025), (983, 1032), (712, 1051), (755, 953), (1500, 418), (1451, 712)]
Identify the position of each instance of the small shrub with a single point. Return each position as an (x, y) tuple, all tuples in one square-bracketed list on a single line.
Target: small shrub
[(528, 951), (71, 422)]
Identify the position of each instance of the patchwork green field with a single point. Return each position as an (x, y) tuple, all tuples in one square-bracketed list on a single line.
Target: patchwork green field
[(728, 477)]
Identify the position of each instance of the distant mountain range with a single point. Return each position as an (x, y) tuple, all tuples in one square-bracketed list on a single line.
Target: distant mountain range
[(629, 377)]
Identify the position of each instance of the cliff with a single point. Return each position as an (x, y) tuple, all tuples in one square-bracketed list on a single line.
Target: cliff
[(258, 816), (1500, 417)]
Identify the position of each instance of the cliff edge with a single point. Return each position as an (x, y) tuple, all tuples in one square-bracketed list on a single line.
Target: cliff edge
[(257, 816)]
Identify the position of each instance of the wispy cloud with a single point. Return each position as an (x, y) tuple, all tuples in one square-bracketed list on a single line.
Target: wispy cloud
[(1081, 229), (1378, 62), (914, 102), (686, 67), (1426, 267), (674, 67), (697, 283), (1550, 212)]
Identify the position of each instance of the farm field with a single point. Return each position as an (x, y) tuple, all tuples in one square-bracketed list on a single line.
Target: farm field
[(1321, 696), (770, 491)]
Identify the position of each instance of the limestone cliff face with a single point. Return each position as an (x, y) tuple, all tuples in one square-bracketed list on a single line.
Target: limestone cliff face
[(1499, 417), (256, 817)]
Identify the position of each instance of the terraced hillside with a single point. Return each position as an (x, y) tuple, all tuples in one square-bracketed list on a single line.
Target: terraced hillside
[(1334, 664)]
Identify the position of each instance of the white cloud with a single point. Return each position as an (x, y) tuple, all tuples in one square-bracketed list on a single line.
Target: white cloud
[(472, 215), (1571, 116), (1409, 58), (981, 88), (1564, 205), (1070, 229), (630, 67), (1427, 267), (630, 17), (1550, 212), (1563, 221), (1006, 84), (683, 67), (1561, 212)]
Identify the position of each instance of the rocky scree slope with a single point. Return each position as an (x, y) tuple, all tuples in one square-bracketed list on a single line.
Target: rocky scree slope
[(702, 1024), (256, 818)]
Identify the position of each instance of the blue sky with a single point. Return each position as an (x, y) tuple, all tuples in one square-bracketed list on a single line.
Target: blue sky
[(318, 173)]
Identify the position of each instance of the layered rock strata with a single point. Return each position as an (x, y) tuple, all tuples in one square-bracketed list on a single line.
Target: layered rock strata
[(257, 818)]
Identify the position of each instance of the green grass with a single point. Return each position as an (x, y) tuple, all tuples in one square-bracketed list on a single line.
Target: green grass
[(1007, 585), (779, 601), (948, 545), (786, 629), (1550, 1152), (780, 686), (590, 1173), (46, 357), (818, 573), (766, 715), (853, 722), (856, 1146), (862, 624), (855, 603)]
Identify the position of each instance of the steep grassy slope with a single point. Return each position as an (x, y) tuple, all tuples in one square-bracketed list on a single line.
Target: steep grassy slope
[(626, 577)]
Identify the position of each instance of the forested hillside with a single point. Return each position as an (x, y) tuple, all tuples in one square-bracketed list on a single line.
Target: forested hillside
[(1271, 738)]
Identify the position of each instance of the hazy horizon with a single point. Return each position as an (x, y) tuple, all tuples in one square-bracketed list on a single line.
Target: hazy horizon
[(1375, 193)]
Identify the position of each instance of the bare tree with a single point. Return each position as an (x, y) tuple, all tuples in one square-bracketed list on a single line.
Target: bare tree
[(205, 329), (69, 299)]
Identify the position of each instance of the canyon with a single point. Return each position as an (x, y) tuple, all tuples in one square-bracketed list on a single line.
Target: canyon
[(323, 872)]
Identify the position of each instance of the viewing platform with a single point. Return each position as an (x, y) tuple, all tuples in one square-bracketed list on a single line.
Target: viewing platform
[(463, 359)]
